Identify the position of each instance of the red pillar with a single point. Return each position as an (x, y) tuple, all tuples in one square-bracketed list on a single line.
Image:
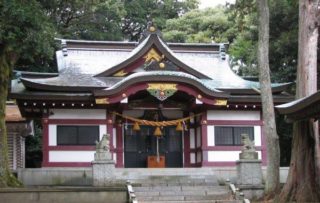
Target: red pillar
[(45, 141), (204, 139)]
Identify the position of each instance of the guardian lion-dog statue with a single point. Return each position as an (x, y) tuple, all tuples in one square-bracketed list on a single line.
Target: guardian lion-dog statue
[(104, 144), (248, 145)]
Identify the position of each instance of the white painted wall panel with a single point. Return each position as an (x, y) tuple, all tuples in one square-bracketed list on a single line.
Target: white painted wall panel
[(78, 114), (198, 137), (102, 130), (225, 155), (210, 131), (114, 134), (233, 115), (257, 135), (192, 139), (52, 135), (192, 158), (71, 156)]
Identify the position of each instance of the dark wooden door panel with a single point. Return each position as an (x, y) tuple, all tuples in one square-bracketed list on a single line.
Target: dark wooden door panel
[(141, 144)]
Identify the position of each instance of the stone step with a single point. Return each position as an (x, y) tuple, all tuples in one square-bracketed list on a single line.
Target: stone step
[(151, 184), (181, 198), (193, 194), (176, 177), (197, 201), (179, 188)]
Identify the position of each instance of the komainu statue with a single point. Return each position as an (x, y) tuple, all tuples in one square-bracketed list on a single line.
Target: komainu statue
[(248, 145), (104, 144)]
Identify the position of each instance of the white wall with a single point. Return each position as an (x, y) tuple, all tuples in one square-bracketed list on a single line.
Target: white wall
[(192, 158), (233, 115), (71, 156), (216, 156), (78, 114), (210, 134)]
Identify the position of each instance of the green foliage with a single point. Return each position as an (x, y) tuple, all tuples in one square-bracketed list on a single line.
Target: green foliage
[(207, 25), (86, 19), (283, 38), (24, 30), (24, 34), (139, 12)]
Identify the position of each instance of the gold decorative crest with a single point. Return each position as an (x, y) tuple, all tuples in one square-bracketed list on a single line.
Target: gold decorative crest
[(152, 55), (102, 101), (220, 102), (162, 91), (120, 74)]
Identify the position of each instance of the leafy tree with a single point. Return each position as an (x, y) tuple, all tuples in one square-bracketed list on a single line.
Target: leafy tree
[(24, 34), (86, 19), (283, 38), (207, 25), (139, 12)]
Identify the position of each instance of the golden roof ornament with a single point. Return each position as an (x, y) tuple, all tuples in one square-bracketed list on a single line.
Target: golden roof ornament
[(152, 29)]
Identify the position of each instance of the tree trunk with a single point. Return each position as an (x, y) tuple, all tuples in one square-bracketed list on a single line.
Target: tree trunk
[(269, 128), (6, 177), (303, 179)]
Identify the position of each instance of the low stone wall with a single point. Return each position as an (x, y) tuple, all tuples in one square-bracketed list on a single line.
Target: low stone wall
[(83, 176), (64, 195), (56, 176)]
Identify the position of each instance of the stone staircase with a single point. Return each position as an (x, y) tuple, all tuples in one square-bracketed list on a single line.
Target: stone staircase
[(181, 189)]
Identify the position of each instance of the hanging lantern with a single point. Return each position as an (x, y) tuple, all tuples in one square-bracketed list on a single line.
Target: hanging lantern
[(157, 132), (136, 126), (179, 127)]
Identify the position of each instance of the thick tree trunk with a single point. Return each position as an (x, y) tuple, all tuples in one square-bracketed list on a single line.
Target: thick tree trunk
[(303, 180), (269, 128), (4, 79), (6, 177)]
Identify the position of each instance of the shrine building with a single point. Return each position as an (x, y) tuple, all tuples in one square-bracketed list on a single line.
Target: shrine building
[(178, 102)]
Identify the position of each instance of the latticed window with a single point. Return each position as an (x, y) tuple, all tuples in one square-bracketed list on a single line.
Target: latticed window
[(230, 135), (77, 135)]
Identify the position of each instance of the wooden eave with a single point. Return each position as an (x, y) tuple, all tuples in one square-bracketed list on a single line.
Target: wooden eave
[(51, 96), (277, 99), (58, 88), (307, 107), (250, 91), (153, 41), (27, 74)]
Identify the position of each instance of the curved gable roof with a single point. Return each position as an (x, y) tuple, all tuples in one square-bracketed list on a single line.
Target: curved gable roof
[(161, 76), (153, 40)]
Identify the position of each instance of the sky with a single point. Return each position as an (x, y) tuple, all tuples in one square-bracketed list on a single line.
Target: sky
[(213, 3)]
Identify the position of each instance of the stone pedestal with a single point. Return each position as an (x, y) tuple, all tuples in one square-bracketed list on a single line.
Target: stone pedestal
[(103, 166), (249, 176), (103, 172)]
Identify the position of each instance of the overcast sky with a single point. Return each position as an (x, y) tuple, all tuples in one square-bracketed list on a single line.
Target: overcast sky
[(213, 3)]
